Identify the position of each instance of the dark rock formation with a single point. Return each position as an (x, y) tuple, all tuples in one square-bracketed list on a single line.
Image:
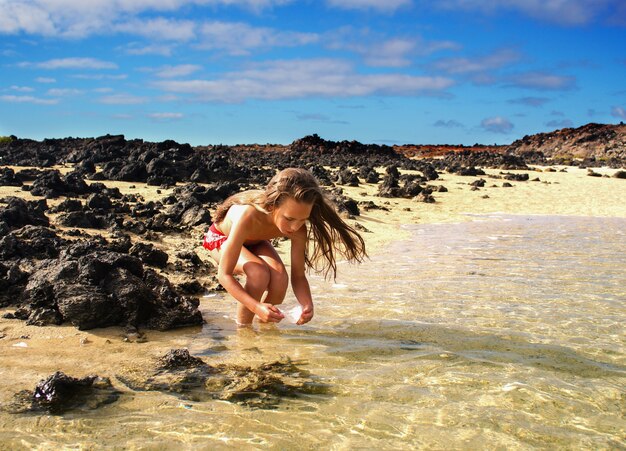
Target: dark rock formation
[(620, 175), (602, 144), (18, 212), (60, 393), (515, 177), (8, 178), (149, 255), (263, 387), (89, 285)]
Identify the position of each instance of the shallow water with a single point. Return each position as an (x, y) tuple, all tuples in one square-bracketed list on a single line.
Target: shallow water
[(501, 332)]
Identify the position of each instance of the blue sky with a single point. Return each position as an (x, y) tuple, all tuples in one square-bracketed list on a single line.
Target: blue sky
[(272, 71)]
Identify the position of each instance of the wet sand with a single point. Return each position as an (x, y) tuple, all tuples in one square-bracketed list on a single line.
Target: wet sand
[(30, 353), (571, 193)]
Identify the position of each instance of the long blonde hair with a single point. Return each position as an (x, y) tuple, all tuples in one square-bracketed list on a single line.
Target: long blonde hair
[(328, 232)]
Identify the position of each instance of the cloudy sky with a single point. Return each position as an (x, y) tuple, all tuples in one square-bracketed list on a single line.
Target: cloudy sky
[(271, 71)]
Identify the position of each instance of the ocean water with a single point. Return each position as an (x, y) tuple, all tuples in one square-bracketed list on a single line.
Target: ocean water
[(502, 332)]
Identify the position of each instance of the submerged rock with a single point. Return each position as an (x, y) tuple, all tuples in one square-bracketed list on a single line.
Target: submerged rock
[(60, 393), (190, 378)]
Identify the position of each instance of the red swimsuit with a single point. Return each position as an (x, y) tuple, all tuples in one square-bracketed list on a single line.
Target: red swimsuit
[(213, 239)]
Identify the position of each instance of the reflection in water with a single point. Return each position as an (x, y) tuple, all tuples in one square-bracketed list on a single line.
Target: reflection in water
[(503, 331)]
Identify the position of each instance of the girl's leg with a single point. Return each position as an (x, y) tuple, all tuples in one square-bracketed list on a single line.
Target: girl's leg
[(257, 280), (279, 280), (264, 271)]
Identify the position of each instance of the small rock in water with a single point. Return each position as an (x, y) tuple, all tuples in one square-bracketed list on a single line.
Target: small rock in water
[(60, 393), (179, 358)]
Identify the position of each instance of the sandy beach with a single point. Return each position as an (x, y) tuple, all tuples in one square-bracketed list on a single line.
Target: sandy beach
[(30, 353), (571, 193), (560, 191)]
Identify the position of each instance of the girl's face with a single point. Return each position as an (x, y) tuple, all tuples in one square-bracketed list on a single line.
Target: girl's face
[(291, 215)]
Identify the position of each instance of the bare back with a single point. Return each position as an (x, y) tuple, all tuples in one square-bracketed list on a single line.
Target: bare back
[(256, 223)]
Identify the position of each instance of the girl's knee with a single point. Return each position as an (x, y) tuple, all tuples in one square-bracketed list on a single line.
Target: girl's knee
[(257, 274), (278, 287), (279, 281)]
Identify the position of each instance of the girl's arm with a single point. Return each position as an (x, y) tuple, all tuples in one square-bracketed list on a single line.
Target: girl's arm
[(299, 282), (229, 255)]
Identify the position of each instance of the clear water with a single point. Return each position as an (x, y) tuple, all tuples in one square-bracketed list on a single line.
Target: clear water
[(502, 332)]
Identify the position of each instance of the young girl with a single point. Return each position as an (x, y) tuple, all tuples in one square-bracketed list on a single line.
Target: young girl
[(291, 206)]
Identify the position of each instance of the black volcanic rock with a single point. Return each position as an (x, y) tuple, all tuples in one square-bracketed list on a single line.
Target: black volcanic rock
[(59, 393), (149, 255), (18, 212), (88, 285), (620, 175), (8, 178)]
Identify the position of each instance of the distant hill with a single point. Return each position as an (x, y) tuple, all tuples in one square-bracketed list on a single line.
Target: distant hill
[(439, 150), (592, 141)]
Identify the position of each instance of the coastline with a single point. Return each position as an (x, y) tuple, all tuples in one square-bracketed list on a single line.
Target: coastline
[(32, 353), (570, 193)]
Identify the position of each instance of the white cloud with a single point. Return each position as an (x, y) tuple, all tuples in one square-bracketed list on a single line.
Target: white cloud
[(380, 51), (64, 92), (237, 38), (566, 12), (303, 78), (28, 99), (448, 124), (164, 117), (530, 101), (181, 70), (378, 5), (160, 29), (100, 76), (390, 53), (21, 88), (153, 49), (71, 63), (45, 80), (497, 124), (80, 18), (496, 60), (543, 81), (618, 112), (122, 99)]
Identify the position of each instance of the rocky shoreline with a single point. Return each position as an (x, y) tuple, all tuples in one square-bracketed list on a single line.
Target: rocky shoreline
[(84, 242), (86, 254)]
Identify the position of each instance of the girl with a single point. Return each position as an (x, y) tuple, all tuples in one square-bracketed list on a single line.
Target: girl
[(291, 206)]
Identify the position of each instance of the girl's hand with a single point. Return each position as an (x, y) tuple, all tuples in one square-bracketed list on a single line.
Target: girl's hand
[(268, 313), (307, 314)]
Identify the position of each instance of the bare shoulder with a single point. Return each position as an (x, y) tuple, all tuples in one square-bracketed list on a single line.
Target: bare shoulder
[(240, 216), (238, 213)]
